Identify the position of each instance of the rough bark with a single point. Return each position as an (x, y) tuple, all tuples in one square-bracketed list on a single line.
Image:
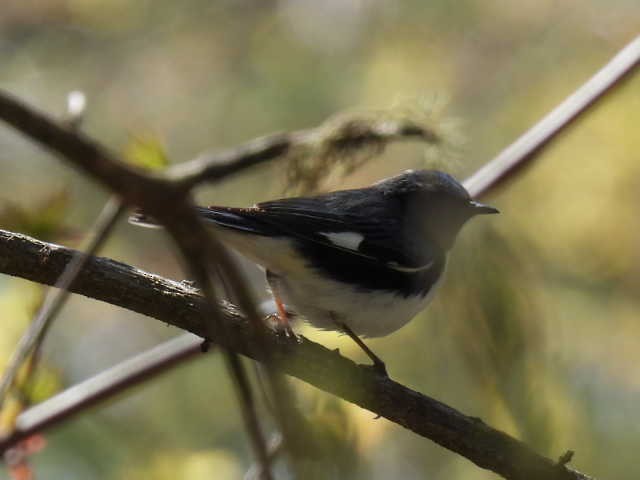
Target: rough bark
[(181, 305)]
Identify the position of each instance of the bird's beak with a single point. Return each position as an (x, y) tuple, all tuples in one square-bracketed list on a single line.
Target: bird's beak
[(482, 209)]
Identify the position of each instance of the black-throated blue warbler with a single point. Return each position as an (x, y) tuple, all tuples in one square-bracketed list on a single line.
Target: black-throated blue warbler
[(363, 261)]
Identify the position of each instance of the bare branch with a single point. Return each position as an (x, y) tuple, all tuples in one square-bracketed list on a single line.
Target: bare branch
[(76, 148), (528, 146), (334, 141), (201, 248), (250, 417), (78, 398), (182, 305), (200, 269), (274, 448)]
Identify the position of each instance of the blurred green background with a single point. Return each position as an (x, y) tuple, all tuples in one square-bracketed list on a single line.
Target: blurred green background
[(536, 329)]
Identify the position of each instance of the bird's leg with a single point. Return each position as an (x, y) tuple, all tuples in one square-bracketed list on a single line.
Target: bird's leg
[(378, 364), (283, 323)]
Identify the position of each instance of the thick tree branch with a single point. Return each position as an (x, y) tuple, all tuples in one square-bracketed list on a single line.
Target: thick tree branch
[(182, 306)]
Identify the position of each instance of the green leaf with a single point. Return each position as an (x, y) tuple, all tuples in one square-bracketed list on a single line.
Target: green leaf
[(43, 220), (146, 151)]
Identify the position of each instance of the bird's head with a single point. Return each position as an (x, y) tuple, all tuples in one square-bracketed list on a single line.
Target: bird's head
[(436, 205)]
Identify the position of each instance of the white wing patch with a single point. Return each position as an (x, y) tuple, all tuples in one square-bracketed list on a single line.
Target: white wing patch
[(141, 222), (348, 240)]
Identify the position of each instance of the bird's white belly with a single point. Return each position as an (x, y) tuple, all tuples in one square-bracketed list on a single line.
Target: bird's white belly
[(323, 302)]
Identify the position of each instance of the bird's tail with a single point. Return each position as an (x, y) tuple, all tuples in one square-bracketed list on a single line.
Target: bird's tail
[(229, 217), (138, 217)]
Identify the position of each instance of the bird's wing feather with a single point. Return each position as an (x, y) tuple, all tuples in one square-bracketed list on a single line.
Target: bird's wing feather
[(359, 226)]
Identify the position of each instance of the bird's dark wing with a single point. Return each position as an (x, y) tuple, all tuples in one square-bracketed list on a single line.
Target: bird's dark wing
[(355, 222)]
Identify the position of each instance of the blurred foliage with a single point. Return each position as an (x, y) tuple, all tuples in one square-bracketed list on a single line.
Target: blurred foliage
[(535, 329), (45, 220), (347, 141), (334, 439), (201, 465), (146, 151)]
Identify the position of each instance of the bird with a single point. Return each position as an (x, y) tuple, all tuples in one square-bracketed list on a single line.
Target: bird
[(362, 261)]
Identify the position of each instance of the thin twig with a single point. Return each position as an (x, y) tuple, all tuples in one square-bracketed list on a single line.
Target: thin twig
[(216, 166), (200, 249), (198, 266), (131, 183), (274, 448), (105, 385), (335, 139), (55, 299), (528, 146), (248, 408)]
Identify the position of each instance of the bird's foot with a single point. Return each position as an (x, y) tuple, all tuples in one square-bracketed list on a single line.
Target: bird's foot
[(282, 328), (190, 283), (379, 368), (205, 345), (287, 332), (378, 365), (285, 329)]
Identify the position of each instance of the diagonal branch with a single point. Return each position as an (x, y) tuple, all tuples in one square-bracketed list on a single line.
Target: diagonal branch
[(84, 153), (104, 385), (517, 155), (335, 138), (182, 306)]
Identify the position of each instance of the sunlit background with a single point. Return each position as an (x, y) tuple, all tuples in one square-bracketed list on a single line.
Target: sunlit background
[(536, 329)]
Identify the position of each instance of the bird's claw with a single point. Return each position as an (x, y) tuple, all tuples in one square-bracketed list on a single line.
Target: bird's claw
[(205, 345), (287, 332), (283, 329), (379, 368), (190, 283)]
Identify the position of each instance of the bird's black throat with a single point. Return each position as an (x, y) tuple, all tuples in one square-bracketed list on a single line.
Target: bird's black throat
[(364, 274)]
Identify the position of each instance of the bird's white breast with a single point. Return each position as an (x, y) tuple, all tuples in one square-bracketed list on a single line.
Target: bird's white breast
[(321, 300), (374, 313)]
